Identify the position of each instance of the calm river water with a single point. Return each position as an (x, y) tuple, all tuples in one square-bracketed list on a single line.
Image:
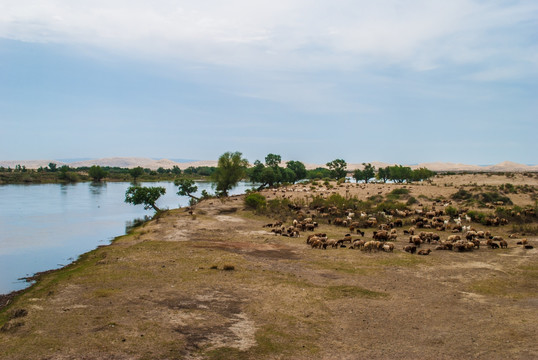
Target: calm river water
[(47, 226)]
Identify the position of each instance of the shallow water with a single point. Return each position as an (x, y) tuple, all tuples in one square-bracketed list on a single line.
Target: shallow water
[(47, 226)]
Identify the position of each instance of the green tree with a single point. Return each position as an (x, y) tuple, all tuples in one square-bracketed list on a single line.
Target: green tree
[(255, 172), (338, 168), (231, 168), (365, 174), (273, 160), (53, 167), (399, 173), (97, 173), (383, 174), (136, 172), (146, 196), (422, 174), (186, 188), (269, 176), (298, 169), (176, 170)]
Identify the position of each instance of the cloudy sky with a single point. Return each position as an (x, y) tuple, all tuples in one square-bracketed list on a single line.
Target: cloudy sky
[(397, 81)]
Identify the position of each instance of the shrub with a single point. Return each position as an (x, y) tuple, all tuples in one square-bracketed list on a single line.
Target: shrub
[(477, 216), (255, 200), (451, 211), (412, 200), (462, 195), (493, 197), (397, 193)]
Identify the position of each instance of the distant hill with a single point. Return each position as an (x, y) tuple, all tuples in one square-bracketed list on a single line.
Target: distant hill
[(131, 162)]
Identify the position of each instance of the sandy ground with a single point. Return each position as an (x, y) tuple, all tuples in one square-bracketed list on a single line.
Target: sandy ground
[(163, 292)]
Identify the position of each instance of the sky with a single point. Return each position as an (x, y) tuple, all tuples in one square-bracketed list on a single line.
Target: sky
[(395, 81)]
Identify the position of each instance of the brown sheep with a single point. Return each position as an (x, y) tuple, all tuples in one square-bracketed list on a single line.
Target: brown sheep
[(416, 240), (503, 244), (388, 247), (381, 235), (332, 243), (424, 252), (454, 238), (357, 244), (410, 249), (369, 246)]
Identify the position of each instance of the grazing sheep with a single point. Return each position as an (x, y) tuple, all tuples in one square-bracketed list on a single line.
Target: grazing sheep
[(410, 249), (332, 243), (416, 240), (492, 244), (318, 244), (388, 247), (470, 235), (454, 238), (424, 252), (357, 244), (369, 246), (503, 244), (381, 235)]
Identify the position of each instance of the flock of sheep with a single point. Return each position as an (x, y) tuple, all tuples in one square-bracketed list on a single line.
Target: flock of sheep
[(462, 238)]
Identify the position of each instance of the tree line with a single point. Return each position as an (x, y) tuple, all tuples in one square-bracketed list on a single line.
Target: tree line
[(232, 168)]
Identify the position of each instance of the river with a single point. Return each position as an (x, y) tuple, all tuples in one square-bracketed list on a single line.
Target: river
[(47, 226)]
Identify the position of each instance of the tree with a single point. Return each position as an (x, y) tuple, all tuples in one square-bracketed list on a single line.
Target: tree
[(338, 168), (136, 172), (147, 196), (52, 167), (186, 188), (422, 174), (400, 173), (383, 174), (231, 168), (255, 172), (298, 168), (97, 173), (176, 170), (273, 160), (269, 176), (365, 174)]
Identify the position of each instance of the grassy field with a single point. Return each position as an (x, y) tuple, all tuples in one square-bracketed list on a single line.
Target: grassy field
[(219, 285)]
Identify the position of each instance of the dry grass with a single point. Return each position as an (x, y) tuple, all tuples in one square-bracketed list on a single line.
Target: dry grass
[(162, 292)]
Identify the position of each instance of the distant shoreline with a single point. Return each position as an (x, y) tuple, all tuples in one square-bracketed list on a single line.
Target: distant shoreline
[(153, 164)]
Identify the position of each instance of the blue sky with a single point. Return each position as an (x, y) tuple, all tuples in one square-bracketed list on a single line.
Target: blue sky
[(395, 81)]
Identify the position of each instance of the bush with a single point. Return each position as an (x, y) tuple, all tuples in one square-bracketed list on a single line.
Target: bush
[(477, 216), (396, 193), (462, 195), (255, 201), (493, 197), (451, 211), (412, 200)]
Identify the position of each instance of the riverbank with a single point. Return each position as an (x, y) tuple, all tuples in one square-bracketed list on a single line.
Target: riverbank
[(217, 284)]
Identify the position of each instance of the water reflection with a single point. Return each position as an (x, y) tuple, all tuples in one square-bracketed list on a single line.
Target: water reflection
[(131, 224), (97, 188)]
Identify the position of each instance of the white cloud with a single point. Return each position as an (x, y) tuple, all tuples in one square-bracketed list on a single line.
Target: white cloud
[(417, 34)]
